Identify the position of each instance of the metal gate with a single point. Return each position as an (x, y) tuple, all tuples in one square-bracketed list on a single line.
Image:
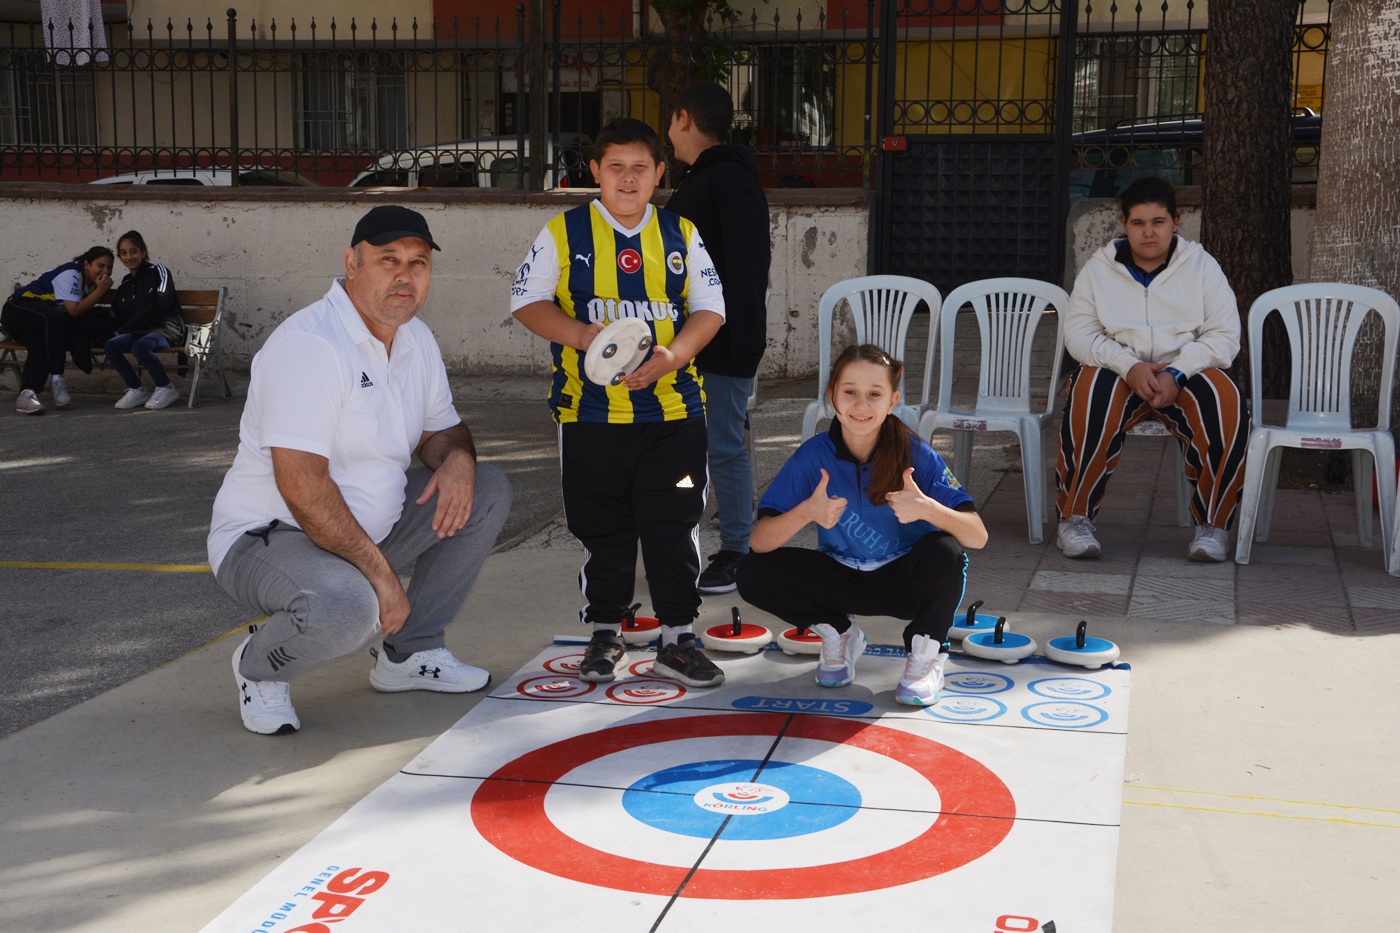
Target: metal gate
[(974, 128)]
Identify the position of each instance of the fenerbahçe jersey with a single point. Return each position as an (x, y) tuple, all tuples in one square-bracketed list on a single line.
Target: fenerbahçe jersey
[(598, 272)]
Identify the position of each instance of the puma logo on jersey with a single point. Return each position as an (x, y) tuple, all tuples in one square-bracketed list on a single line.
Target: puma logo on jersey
[(586, 260)]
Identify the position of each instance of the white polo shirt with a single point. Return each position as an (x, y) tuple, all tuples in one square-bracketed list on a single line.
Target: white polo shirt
[(324, 384)]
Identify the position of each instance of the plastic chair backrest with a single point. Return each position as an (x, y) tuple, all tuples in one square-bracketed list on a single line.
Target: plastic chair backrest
[(881, 306), (1322, 320), (1008, 311)]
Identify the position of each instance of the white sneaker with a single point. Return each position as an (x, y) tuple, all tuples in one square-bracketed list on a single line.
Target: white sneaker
[(134, 398), (58, 388), (1075, 538), (435, 669), (265, 705), (163, 397), (1210, 544), (922, 680), (28, 403), (839, 653)]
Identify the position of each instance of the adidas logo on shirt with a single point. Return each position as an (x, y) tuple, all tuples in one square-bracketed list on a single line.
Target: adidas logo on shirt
[(365, 381), (686, 483)]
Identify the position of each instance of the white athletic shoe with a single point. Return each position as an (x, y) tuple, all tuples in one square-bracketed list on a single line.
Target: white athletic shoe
[(435, 669), (28, 403), (134, 398), (58, 388), (1210, 544), (163, 397), (922, 681), (265, 705), (837, 667), (1075, 538)]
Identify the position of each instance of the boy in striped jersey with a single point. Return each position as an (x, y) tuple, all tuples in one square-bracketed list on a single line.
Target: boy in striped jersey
[(633, 455)]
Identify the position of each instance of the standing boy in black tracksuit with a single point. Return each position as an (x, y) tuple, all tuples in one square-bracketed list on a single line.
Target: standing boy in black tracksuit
[(723, 197)]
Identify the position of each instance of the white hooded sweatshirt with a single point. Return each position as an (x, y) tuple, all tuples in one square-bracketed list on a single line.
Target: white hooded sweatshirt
[(1186, 317)]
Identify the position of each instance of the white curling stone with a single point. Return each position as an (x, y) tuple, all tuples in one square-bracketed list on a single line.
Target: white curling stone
[(1095, 654), (617, 351), (791, 644), (981, 622), (645, 632), (1013, 647)]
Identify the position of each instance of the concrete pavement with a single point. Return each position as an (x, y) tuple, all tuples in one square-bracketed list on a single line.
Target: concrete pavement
[(1259, 790)]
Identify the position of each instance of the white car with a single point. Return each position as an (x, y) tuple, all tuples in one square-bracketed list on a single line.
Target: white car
[(478, 163), (213, 177)]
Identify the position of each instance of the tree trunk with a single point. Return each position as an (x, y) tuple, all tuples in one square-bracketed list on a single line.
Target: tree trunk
[(1247, 149), (1357, 238), (672, 63)]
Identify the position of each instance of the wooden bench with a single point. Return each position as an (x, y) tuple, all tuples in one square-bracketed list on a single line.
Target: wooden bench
[(204, 320)]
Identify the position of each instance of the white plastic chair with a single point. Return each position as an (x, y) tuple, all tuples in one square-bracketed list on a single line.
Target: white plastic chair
[(882, 306), (1008, 311), (1322, 320)]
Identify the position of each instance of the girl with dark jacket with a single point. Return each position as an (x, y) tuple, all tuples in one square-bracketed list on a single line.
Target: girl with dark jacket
[(148, 319)]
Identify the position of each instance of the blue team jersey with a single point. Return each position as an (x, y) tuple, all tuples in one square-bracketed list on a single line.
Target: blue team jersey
[(867, 535)]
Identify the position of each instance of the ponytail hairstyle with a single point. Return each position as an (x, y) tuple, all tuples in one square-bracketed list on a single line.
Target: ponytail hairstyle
[(95, 253), (892, 448)]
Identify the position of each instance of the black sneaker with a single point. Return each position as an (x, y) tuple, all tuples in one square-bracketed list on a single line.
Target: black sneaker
[(603, 658), (719, 576), (684, 661)]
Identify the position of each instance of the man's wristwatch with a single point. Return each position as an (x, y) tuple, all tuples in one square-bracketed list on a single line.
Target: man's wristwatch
[(1177, 376)]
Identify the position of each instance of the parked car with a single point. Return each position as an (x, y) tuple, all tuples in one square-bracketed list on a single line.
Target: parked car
[(213, 177), (478, 163), (1106, 160)]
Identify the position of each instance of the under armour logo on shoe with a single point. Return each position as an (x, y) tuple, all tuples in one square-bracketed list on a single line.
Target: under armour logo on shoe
[(686, 482), (424, 672), (365, 381), (247, 697)]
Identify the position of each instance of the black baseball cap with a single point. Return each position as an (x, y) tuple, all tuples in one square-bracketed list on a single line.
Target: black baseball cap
[(390, 222)]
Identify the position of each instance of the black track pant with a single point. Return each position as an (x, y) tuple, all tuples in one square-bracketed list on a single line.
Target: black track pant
[(630, 483), (804, 587), (48, 334)]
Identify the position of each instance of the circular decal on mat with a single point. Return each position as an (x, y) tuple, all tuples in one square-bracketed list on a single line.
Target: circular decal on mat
[(644, 692), (1069, 688), (1064, 715), (976, 812), (565, 664), (953, 708), (763, 806), (554, 688), (979, 682)]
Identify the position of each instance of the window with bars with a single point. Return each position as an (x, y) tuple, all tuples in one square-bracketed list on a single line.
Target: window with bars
[(1142, 77), (786, 96), (42, 104), (353, 100)]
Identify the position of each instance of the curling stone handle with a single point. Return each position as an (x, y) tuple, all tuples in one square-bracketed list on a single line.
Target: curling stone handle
[(738, 623), (630, 621), (1000, 629), (972, 608), (1080, 632)]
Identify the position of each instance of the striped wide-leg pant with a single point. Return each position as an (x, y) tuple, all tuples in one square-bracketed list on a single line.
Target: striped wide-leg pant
[(1208, 419)]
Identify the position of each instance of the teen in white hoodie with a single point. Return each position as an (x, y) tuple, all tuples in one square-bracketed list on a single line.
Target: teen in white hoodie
[(1153, 323)]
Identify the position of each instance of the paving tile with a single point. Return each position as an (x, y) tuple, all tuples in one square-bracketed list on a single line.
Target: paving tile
[(1178, 566), (1307, 585), (1115, 584), (1376, 621), (1269, 554), (1296, 616), (1171, 589), (1087, 605), (1182, 610), (1374, 597)]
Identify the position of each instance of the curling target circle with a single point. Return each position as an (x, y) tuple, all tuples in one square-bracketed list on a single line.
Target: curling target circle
[(554, 688), (644, 692), (975, 812), (977, 682), (1064, 715), (954, 708), (760, 808), (1069, 688), (564, 664)]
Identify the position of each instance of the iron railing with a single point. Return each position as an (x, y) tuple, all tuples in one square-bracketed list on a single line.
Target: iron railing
[(447, 103)]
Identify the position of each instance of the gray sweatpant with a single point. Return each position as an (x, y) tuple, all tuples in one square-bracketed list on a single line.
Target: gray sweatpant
[(319, 606)]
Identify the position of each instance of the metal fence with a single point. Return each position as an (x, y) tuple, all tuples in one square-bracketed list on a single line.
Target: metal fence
[(449, 103)]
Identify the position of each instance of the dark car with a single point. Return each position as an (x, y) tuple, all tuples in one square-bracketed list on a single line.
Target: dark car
[(1105, 161)]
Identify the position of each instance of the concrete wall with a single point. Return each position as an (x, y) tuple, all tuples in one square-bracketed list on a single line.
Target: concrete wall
[(277, 253)]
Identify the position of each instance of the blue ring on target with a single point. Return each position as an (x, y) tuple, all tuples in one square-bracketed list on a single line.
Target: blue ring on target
[(966, 708), (978, 683), (1064, 715), (1069, 688), (761, 800)]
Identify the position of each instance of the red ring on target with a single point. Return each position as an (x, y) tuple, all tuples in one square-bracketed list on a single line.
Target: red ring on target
[(553, 688), (644, 692), (977, 813)]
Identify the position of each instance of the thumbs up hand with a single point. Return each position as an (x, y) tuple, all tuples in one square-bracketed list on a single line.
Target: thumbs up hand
[(909, 503), (823, 509)]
